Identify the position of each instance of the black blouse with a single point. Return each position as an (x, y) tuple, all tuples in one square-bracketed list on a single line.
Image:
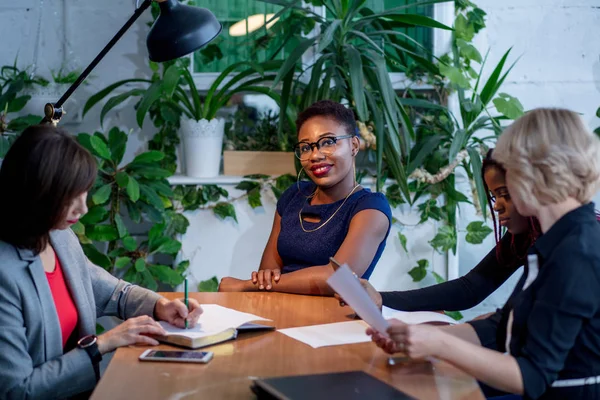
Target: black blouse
[(466, 291), (555, 331)]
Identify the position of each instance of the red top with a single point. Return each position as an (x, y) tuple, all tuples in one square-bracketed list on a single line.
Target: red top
[(65, 307)]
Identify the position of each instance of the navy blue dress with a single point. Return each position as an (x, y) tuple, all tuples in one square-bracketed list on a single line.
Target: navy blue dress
[(299, 249)]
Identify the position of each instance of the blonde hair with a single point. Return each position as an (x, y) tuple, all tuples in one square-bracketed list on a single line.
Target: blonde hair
[(550, 156)]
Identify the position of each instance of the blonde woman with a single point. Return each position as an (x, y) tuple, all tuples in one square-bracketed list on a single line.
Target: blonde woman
[(548, 333)]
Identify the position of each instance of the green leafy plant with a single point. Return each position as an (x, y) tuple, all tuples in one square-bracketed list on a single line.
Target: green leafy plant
[(215, 198), (12, 83), (138, 192), (65, 76), (355, 47), (177, 88), (247, 132)]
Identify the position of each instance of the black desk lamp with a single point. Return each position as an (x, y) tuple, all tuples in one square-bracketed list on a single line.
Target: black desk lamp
[(179, 30)]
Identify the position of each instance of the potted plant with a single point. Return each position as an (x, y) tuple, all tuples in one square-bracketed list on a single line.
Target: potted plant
[(254, 147), (176, 93), (51, 92)]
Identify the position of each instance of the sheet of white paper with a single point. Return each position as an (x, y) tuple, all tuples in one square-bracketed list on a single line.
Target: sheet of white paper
[(416, 317), (214, 319), (330, 334), (345, 283)]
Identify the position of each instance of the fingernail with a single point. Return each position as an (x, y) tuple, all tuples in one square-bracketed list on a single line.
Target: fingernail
[(269, 287), (262, 287)]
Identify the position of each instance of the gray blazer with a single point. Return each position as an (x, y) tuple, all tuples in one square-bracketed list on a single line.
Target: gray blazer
[(32, 363)]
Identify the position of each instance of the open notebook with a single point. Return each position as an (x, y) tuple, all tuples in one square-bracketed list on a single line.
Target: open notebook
[(216, 324)]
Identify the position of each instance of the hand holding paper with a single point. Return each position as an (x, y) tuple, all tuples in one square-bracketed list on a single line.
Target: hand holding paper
[(347, 285)]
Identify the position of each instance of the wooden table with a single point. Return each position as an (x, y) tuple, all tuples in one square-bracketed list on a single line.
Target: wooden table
[(269, 354)]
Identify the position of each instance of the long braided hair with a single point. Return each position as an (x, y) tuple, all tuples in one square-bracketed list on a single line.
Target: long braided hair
[(518, 247)]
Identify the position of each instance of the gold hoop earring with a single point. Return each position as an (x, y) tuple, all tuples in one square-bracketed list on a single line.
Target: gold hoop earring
[(298, 186)]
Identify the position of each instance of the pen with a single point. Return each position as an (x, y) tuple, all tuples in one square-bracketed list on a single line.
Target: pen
[(186, 300)]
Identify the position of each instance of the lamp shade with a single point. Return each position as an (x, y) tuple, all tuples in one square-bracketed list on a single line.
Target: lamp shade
[(180, 30)]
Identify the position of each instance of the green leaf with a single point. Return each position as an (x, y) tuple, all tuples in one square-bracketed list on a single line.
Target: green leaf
[(179, 223), (121, 228), (133, 189), (161, 188), (458, 142), (171, 79), (394, 195), (444, 240), (102, 195), (129, 243), (19, 124), (254, 198), (425, 149), (117, 141), (122, 262), (210, 285), (85, 140), (118, 99), (140, 265), (183, 266), (456, 315), (150, 197), (94, 216), (167, 246), (327, 36), (454, 75), (149, 171), (104, 92), (357, 82), (430, 210), (477, 232), (403, 241), (78, 227), (102, 233), (247, 185), (438, 278), (148, 157), (293, 59), (122, 179), (508, 106), (100, 148), (96, 256), (152, 94), (224, 210), (419, 272), (416, 20), (468, 51), (475, 158), (166, 274), (463, 29)]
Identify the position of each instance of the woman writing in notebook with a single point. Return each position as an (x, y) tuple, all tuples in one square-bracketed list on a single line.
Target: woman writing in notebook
[(329, 216), (546, 337), (50, 294)]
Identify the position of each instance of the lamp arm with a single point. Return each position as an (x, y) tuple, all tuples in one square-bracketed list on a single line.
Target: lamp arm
[(53, 112)]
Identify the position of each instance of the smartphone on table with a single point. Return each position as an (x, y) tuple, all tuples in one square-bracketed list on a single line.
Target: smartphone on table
[(186, 356)]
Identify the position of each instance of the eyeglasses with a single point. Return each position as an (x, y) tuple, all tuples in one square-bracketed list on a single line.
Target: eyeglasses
[(326, 145)]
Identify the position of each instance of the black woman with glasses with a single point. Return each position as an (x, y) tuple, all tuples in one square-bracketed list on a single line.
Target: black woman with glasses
[(328, 216)]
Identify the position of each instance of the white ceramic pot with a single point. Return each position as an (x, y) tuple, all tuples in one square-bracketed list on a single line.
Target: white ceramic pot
[(202, 146), (50, 94)]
